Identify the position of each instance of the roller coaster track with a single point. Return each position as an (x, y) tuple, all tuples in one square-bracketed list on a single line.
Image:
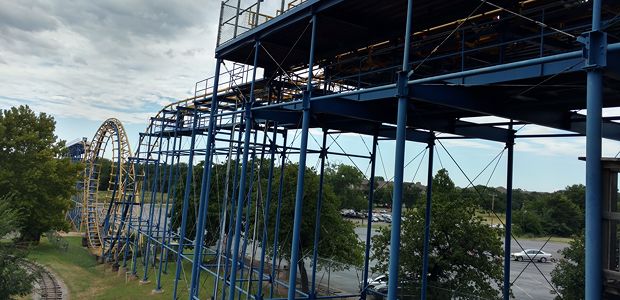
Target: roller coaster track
[(103, 226), (48, 287)]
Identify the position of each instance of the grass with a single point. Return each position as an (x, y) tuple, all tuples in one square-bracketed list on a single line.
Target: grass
[(490, 218), (86, 279)]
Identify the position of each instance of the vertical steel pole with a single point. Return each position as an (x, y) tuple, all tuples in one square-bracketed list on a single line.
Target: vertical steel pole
[(317, 222), (244, 167), (248, 210), (508, 223), (171, 174), (147, 152), (174, 195), (205, 188), (299, 195), (276, 231), (427, 217), (186, 194), (231, 228), (272, 154), (371, 197), (399, 161), (593, 272), (154, 186)]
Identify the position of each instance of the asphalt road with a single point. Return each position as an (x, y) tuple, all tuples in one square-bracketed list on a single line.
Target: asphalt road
[(529, 279)]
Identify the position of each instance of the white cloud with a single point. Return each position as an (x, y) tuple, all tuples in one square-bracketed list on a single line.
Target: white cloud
[(94, 60)]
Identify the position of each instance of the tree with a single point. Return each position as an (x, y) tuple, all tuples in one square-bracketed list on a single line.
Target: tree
[(348, 181), (337, 239), (465, 255), (527, 222), (412, 193), (14, 279), (569, 272), (41, 183)]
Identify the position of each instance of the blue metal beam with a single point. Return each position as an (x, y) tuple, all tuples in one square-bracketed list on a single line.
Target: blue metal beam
[(205, 189), (371, 197), (596, 50), (427, 218), (299, 194), (242, 182), (508, 223), (399, 161)]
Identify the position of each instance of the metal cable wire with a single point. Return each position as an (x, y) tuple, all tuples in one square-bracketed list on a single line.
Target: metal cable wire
[(503, 223), (541, 24), (449, 35)]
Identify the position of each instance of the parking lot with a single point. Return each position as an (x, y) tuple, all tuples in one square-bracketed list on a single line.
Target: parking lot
[(529, 278)]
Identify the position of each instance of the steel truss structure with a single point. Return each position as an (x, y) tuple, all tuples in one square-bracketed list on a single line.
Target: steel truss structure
[(75, 151), (404, 71)]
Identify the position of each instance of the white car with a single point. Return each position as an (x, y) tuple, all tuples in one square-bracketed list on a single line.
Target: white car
[(372, 283), (532, 254)]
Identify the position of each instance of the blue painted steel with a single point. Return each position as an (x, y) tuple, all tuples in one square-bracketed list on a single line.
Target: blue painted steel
[(399, 161), (205, 188), (174, 200), (138, 231), (244, 167), (248, 210), (171, 176), (272, 152), (186, 194), (427, 218), (508, 223), (299, 194), (317, 222), (371, 197), (231, 214), (593, 237), (278, 215), (149, 228)]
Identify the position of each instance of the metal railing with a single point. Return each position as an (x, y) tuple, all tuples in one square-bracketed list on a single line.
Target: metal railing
[(243, 15)]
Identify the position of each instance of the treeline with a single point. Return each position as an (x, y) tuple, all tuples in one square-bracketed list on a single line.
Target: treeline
[(558, 213), (337, 238)]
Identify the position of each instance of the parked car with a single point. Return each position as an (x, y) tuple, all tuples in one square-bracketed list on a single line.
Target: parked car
[(373, 283), (532, 254)]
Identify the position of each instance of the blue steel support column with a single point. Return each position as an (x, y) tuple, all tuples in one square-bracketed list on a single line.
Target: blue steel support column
[(276, 231), (595, 63), (371, 197), (171, 174), (272, 159), (399, 161), (231, 219), (508, 223), (427, 217), (152, 209), (317, 222), (174, 196), (244, 167), (205, 188), (186, 194), (299, 194), (147, 152)]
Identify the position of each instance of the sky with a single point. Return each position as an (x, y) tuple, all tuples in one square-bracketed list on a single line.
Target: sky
[(85, 61)]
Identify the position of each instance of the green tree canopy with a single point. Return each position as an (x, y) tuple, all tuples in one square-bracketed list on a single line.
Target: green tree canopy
[(465, 255), (569, 273), (348, 181), (40, 182), (14, 279), (337, 238), (337, 241)]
